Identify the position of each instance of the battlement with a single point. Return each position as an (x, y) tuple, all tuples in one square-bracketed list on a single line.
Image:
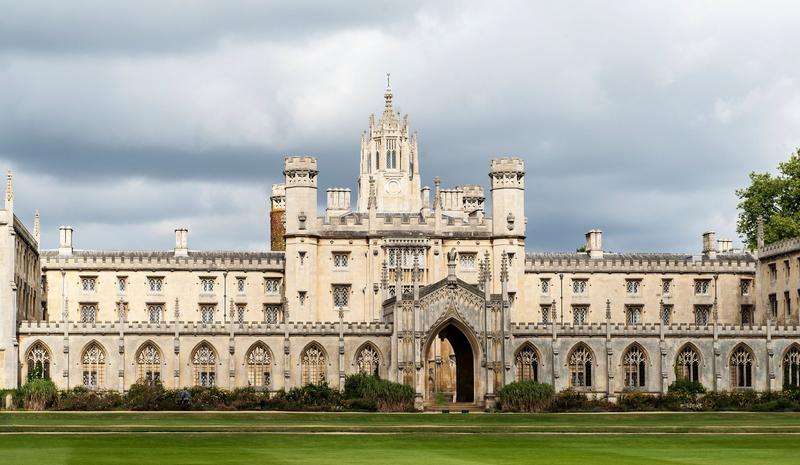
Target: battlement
[(507, 165), (300, 163), (473, 191)]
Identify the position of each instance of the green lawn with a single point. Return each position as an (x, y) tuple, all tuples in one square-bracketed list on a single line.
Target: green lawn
[(253, 437)]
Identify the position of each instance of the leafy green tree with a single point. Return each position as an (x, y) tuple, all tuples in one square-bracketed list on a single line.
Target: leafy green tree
[(775, 200)]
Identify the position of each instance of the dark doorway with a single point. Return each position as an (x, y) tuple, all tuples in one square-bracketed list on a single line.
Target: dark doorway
[(465, 368)]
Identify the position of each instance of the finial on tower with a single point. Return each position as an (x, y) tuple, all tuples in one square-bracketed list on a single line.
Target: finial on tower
[(388, 83), (387, 95)]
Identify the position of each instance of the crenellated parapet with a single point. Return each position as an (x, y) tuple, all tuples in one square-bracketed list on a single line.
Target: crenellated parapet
[(507, 172), (117, 260), (300, 171), (638, 263)]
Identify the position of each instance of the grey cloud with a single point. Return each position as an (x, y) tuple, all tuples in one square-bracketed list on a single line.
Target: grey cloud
[(165, 26), (638, 119)]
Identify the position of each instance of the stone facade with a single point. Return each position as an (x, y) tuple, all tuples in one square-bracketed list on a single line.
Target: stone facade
[(422, 286)]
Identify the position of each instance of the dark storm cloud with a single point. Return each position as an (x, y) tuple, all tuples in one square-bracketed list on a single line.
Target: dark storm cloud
[(127, 120), (168, 26)]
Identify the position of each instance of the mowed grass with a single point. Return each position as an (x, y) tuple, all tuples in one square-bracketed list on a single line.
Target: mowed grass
[(241, 437)]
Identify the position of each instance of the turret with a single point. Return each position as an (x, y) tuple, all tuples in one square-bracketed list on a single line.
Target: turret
[(389, 156), (301, 194), (508, 196)]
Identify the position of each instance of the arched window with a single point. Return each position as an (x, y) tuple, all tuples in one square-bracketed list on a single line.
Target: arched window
[(259, 364), (377, 161), (38, 362), (313, 363), (687, 365), (204, 361), (791, 368), (634, 363), (741, 365), (368, 361), (526, 364), (93, 363), (148, 364), (580, 367)]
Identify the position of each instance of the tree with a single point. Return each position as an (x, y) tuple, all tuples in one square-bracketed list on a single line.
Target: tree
[(773, 199)]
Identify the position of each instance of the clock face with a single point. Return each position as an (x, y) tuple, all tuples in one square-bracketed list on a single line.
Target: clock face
[(392, 187)]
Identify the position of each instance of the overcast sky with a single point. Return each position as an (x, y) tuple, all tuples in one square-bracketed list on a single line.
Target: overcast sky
[(127, 119)]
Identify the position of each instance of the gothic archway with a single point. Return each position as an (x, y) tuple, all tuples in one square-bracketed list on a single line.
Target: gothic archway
[(450, 362)]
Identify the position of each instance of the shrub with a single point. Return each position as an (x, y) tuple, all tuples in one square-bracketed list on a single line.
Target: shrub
[(37, 394), (570, 400), (248, 399), (311, 397), (80, 398), (684, 386), (638, 401), (730, 400), (525, 396), (377, 394), (149, 396)]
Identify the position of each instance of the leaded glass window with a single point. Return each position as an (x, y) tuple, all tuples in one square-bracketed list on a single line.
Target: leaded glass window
[(272, 314), (545, 314), (341, 261), (148, 364), (526, 365), (633, 314), (744, 286), (204, 363), (467, 261), (545, 286), (666, 287), (240, 285), (155, 313), (272, 285), (88, 313), (207, 285), (341, 295), (701, 286), (580, 367), (687, 365), (207, 313), (580, 286), (313, 365), (93, 362), (666, 314), (88, 283), (259, 364), (240, 311), (791, 368), (368, 361), (579, 314), (701, 314), (38, 362), (633, 286), (155, 285), (634, 364), (741, 368)]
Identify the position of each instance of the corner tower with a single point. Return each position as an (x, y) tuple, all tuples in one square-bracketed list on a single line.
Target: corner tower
[(389, 156), (508, 197)]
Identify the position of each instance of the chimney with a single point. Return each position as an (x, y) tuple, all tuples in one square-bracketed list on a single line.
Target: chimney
[(725, 246), (65, 240), (710, 244), (181, 242), (594, 243)]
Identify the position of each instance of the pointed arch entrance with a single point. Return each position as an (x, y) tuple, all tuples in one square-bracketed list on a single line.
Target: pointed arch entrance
[(451, 362)]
